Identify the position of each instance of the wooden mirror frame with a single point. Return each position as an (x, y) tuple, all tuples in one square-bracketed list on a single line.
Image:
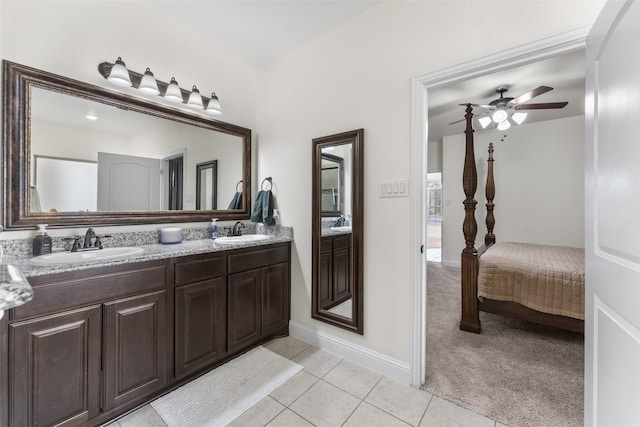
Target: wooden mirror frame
[(17, 82), (356, 138)]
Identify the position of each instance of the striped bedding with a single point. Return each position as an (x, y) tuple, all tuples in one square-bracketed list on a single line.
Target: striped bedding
[(545, 278)]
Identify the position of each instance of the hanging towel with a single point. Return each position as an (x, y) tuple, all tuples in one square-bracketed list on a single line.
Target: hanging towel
[(236, 202), (263, 209)]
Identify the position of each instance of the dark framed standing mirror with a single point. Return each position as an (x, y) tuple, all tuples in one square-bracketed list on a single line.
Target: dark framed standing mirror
[(337, 230), (131, 141)]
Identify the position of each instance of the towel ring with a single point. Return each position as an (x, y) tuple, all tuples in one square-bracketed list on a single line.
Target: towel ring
[(270, 183), (239, 182)]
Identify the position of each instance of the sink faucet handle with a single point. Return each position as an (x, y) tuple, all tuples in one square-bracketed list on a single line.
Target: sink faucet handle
[(76, 244)]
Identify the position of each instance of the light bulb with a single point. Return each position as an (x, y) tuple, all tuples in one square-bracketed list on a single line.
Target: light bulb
[(173, 93), (504, 125), (213, 107), (484, 121), (119, 75), (519, 117), (195, 99), (499, 115)]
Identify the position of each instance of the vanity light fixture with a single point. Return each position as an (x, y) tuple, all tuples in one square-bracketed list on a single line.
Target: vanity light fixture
[(195, 99), (118, 74), (148, 83)]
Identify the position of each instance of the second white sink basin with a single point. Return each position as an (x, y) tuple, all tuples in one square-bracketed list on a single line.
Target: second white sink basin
[(88, 256), (247, 238)]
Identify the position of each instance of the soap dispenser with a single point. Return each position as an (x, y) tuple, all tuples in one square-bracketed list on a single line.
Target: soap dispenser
[(214, 229), (42, 242)]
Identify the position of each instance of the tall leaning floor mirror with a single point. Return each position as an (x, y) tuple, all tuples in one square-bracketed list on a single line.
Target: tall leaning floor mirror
[(337, 227)]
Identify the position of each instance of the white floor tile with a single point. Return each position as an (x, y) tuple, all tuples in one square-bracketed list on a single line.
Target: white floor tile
[(259, 414), (442, 413), (325, 405), (317, 362), (143, 417), (288, 418), (400, 400), (288, 347), (370, 416), (288, 392), (353, 378)]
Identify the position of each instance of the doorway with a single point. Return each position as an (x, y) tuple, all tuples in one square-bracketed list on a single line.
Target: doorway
[(434, 217), (422, 85)]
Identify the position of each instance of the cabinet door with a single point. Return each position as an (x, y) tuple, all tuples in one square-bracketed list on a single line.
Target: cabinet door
[(55, 369), (134, 347), (325, 284), (341, 275), (244, 309), (201, 325), (275, 298)]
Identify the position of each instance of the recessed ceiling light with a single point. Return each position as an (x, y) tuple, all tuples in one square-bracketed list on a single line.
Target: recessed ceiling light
[(91, 117)]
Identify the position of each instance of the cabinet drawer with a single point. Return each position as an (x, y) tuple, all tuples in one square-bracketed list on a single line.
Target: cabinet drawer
[(198, 269), (52, 293), (258, 258)]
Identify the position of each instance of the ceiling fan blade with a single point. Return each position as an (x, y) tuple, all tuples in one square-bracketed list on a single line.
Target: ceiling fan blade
[(543, 106), (475, 116), (531, 94), (487, 106)]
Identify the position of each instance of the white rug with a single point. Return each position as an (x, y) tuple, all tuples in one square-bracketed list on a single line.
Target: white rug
[(220, 396)]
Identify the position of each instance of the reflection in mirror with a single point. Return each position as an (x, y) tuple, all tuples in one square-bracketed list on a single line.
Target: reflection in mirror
[(332, 183), (123, 159), (337, 289), (207, 185)]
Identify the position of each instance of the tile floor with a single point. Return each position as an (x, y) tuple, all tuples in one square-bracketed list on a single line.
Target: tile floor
[(331, 391)]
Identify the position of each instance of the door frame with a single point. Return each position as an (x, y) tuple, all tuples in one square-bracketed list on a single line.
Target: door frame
[(421, 84)]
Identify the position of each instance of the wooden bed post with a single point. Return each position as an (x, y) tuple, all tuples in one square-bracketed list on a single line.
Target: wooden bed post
[(470, 320), (490, 192)]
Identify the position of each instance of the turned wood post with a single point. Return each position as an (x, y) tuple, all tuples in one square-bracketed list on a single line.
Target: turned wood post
[(470, 320), (490, 192)]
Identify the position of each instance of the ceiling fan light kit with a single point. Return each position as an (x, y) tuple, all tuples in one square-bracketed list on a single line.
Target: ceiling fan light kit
[(503, 110)]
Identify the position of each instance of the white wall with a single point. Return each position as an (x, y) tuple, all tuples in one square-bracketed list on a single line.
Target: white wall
[(359, 76), (539, 180)]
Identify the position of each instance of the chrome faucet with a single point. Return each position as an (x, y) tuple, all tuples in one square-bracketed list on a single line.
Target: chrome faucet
[(87, 245), (340, 222), (235, 230)]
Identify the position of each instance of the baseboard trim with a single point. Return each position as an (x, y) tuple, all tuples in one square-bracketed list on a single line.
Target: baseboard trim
[(362, 356)]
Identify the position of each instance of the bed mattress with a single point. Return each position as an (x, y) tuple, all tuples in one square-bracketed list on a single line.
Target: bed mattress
[(545, 278)]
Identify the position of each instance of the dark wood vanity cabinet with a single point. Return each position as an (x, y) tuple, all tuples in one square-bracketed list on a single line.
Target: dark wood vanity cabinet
[(334, 285), (55, 369), (200, 313), (94, 344), (86, 343), (259, 291)]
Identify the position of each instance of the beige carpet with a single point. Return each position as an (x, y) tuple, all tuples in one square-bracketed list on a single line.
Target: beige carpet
[(220, 396), (515, 372)]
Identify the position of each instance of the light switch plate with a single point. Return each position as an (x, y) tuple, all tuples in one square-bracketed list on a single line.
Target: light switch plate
[(394, 188)]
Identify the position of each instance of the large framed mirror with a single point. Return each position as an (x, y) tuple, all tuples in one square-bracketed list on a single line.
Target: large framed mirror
[(140, 161), (337, 230)]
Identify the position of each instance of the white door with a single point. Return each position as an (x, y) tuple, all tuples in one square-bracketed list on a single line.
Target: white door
[(128, 183), (612, 335)]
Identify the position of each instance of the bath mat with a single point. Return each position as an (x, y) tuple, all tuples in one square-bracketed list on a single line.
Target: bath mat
[(220, 396)]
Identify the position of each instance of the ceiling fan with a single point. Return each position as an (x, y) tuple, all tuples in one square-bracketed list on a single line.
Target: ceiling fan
[(499, 109)]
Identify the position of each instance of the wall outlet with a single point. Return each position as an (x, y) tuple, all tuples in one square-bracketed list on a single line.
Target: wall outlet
[(394, 188)]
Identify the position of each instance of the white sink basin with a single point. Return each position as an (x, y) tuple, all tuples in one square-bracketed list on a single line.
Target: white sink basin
[(88, 256), (342, 228), (247, 238)]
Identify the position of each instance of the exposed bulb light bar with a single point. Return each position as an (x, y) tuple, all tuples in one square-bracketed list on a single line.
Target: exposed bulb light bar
[(118, 74)]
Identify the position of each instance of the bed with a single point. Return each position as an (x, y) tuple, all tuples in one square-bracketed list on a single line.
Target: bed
[(538, 283)]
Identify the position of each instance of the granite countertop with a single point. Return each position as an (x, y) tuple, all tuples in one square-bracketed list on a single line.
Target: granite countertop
[(150, 252), (329, 232)]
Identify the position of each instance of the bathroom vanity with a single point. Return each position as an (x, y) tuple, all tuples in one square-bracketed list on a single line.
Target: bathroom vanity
[(97, 342)]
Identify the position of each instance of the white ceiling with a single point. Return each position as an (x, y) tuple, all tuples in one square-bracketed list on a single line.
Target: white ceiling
[(257, 31)]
